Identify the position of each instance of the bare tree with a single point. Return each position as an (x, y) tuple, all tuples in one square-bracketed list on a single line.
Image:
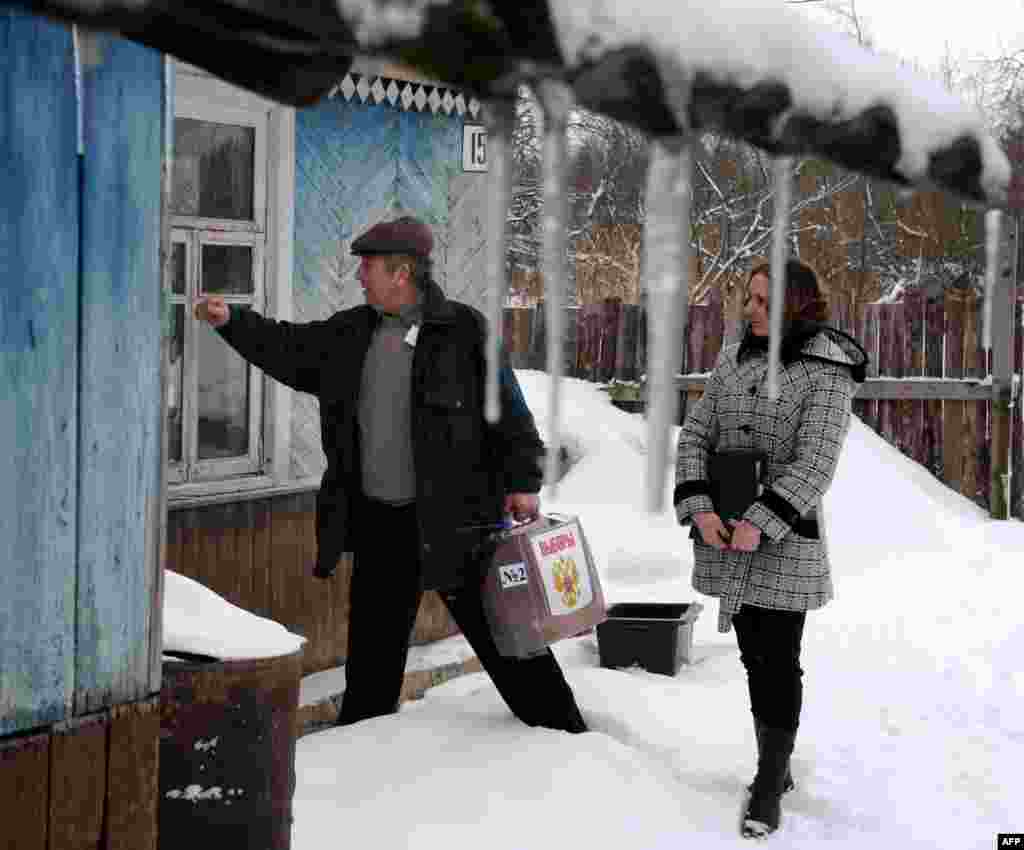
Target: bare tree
[(865, 238)]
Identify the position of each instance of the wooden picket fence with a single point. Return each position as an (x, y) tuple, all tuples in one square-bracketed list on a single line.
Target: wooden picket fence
[(927, 393)]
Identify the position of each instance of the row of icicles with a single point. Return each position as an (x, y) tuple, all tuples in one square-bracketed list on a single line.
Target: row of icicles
[(666, 267), (666, 273)]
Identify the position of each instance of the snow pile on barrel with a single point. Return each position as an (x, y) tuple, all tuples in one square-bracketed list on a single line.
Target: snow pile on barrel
[(199, 622)]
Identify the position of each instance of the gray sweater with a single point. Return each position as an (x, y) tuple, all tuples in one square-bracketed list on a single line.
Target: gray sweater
[(385, 424)]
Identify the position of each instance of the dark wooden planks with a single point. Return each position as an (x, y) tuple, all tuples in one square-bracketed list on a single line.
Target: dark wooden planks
[(132, 777), (90, 783), (78, 783), (25, 790)]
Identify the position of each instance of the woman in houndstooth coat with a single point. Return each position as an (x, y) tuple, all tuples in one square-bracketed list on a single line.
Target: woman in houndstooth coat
[(770, 566)]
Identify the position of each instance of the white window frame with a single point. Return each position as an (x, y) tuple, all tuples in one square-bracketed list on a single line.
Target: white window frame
[(198, 95)]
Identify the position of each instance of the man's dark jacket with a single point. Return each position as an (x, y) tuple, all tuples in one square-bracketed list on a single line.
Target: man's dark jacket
[(464, 465)]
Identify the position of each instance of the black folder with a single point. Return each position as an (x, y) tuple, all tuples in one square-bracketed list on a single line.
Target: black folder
[(735, 478)]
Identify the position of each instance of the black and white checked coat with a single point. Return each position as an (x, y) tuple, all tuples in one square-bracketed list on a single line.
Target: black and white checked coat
[(801, 434)]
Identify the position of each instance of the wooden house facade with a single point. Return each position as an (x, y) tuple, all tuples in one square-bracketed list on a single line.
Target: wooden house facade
[(245, 458), (131, 437)]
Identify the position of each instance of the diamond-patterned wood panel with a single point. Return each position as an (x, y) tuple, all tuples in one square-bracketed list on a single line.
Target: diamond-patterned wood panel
[(376, 150), (403, 94)]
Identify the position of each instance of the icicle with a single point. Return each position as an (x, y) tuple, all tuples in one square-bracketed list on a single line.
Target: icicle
[(556, 100), (76, 38), (993, 233), (499, 116), (783, 178), (666, 242)]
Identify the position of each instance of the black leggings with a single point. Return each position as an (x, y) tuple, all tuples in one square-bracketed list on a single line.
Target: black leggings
[(769, 643)]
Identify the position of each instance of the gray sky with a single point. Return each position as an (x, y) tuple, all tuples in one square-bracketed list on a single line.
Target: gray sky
[(919, 29)]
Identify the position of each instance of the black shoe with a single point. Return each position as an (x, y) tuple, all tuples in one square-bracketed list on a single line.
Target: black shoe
[(762, 816), (763, 809)]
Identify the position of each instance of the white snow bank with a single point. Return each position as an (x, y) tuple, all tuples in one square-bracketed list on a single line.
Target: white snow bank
[(911, 733)]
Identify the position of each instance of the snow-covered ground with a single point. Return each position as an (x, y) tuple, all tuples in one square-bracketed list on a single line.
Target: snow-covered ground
[(912, 733)]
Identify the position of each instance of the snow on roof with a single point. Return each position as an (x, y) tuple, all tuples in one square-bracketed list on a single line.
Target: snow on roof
[(746, 42)]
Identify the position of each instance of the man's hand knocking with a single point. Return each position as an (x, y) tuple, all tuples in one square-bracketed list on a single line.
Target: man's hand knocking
[(212, 310), (522, 506)]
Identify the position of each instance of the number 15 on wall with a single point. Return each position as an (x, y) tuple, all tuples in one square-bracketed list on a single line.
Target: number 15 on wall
[(474, 147)]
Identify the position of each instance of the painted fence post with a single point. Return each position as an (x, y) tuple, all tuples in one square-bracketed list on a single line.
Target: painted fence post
[(953, 411), (611, 312), (1003, 340), (886, 365), (971, 484), (870, 342), (913, 316), (1016, 418), (714, 332), (934, 334)]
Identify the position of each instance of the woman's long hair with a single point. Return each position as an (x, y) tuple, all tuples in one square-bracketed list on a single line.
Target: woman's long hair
[(804, 299)]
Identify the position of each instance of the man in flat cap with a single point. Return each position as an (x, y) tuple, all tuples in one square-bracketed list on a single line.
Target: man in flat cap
[(416, 477)]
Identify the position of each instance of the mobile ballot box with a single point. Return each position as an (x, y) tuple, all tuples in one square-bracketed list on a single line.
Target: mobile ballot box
[(541, 586)]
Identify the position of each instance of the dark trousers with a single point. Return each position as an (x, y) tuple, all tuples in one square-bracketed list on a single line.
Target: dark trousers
[(384, 599), (769, 643)]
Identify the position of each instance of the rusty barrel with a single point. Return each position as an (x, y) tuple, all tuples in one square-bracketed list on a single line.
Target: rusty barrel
[(227, 753)]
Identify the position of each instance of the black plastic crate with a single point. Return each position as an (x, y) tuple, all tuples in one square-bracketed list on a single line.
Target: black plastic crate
[(657, 636)]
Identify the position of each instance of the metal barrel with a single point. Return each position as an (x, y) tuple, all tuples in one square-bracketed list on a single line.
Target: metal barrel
[(227, 753)]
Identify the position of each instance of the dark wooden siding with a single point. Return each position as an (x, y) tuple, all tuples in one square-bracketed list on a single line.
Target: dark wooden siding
[(258, 554), (88, 782)]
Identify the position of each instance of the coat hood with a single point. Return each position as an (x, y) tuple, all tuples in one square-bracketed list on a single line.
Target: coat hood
[(812, 341)]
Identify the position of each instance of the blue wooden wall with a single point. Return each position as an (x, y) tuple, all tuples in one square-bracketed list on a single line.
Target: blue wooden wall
[(79, 372), (356, 164), (119, 372)]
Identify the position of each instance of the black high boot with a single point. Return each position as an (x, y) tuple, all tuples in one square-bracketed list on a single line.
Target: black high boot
[(788, 784), (763, 809)]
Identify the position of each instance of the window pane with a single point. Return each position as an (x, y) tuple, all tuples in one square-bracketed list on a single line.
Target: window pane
[(223, 403), (178, 268), (213, 169), (175, 383), (227, 269)]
